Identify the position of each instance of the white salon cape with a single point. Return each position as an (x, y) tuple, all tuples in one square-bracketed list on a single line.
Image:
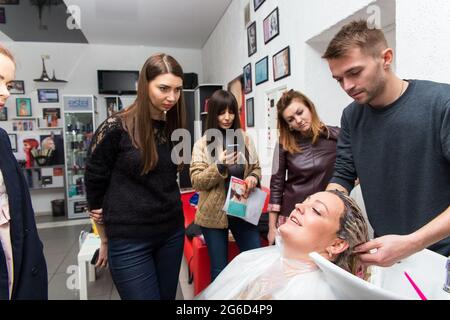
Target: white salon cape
[(263, 274)]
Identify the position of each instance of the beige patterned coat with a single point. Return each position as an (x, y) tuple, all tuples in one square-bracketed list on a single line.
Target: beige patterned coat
[(210, 183)]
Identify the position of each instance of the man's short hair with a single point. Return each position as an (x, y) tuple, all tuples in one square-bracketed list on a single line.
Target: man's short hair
[(356, 34)]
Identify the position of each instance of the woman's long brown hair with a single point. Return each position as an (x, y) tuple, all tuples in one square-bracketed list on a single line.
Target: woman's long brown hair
[(288, 137), (137, 119)]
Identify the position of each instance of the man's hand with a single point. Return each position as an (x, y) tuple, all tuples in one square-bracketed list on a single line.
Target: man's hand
[(389, 250), (96, 215)]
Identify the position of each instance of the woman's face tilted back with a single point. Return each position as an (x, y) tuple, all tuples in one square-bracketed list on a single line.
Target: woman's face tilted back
[(313, 224), (7, 74), (164, 91)]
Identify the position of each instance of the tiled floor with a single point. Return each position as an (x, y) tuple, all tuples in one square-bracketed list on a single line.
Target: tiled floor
[(60, 239)]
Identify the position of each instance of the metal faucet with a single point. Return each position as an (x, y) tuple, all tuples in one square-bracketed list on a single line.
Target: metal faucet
[(447, 280)]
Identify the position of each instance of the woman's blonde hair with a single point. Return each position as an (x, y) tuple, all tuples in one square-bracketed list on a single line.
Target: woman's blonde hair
[(353, 229), (288, 138), (4, 51)]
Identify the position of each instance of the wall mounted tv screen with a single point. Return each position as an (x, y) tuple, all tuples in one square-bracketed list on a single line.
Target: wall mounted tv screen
[(117, 82)]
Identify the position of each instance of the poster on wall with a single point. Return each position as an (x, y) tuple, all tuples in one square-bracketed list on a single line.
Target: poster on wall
[(271, 26), (248, 78), (281, 64), (262, 70), (55, 143), (250, 112), (17, 87), (26, 141), (251, 39), (23, 107)]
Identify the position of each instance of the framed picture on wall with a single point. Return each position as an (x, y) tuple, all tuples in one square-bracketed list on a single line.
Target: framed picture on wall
[(249, 106), (251, 38), (23, 107), (262, 70), (271, 26), (281, 64), (17, 87), (4, 114), (248, 78), (48, 95), (13, 141), (257, 3)]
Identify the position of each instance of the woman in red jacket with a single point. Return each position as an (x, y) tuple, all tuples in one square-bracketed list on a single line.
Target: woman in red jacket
[(304, 159)]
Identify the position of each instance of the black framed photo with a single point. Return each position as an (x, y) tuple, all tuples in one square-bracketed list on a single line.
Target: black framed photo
[(271, 26), (248, 78), (48, 95), (281, 63), (13, 141), (9, 1), (262, 70), (250, 116), (4, 114), (17, 87), (257, 3), (23, 107), (251, 38)]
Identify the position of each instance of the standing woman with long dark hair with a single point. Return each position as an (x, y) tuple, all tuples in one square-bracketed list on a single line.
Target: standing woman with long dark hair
[(210, 175), (23, 271), (132, 189)]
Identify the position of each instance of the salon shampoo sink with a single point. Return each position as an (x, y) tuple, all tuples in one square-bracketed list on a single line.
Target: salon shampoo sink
[(426, 268)]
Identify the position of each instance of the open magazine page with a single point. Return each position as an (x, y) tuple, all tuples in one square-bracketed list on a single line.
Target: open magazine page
[(250, 208)]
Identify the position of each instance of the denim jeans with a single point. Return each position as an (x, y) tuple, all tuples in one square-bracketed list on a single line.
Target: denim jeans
[(148, 268), (246, 236)]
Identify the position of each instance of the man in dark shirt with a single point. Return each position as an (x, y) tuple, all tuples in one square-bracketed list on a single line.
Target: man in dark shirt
[(395, 138)]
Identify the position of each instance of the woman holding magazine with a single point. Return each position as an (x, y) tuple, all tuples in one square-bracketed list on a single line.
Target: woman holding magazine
[(224, 151)]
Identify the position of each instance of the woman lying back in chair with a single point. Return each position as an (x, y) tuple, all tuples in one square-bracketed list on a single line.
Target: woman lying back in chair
[(328, 223)]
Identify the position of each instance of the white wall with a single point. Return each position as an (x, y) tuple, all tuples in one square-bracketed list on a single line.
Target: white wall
[(423, 39), (78, 64)]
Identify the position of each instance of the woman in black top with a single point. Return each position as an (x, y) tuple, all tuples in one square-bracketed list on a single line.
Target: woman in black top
[(132, 190)]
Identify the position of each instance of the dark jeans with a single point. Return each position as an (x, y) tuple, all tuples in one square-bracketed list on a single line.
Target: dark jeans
[(245, 234), (146, 269)]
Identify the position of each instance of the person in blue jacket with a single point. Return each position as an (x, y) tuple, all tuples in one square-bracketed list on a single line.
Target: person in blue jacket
[(23, 270)]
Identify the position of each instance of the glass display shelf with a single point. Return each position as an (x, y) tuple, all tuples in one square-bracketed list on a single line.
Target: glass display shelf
[(79, 123)]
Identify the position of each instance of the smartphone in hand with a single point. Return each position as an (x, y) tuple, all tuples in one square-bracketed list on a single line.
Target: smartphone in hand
[(95, 257), (232, 148)]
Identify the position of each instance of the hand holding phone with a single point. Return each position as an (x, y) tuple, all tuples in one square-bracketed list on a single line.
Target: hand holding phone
[(229, 156)]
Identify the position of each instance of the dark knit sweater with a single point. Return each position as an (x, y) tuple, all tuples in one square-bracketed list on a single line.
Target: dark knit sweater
[(401, 154), (134, 205)]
